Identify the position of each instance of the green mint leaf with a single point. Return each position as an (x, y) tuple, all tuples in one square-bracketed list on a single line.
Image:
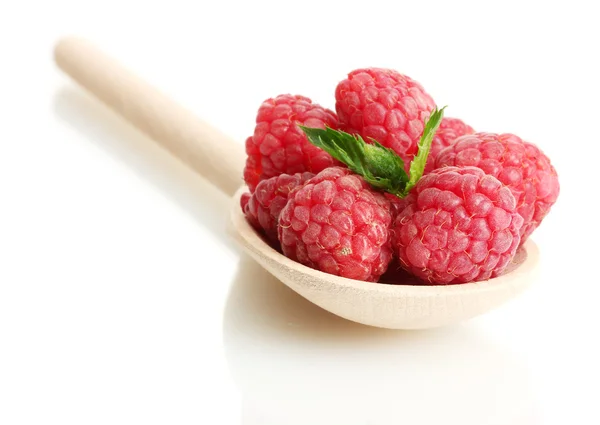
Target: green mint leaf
[(385, 160), (417, 166), (339, 145), (379, 166)]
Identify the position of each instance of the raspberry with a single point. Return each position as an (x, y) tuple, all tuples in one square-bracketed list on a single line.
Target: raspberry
[(384, 105), (450, 129), (278, 146), (338, 224), (520, 165), (262, 208), (463, 226), (398, 204), (244, 199)]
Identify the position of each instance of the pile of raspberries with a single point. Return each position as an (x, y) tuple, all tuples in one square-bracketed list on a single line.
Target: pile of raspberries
[(475, 200)]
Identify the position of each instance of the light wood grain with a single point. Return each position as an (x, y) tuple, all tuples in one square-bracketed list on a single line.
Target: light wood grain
[(221, 160)]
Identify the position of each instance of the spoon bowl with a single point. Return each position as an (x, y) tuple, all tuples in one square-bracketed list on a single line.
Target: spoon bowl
[(220, 160), (386, 305)]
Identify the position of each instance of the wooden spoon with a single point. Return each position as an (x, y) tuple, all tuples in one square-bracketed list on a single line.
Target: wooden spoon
[(221, 160)]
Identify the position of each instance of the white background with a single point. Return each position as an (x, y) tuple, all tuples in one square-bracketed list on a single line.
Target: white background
[(122, 300)]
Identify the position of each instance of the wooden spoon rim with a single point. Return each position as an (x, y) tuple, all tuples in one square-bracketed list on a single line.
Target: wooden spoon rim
[(245, 234)]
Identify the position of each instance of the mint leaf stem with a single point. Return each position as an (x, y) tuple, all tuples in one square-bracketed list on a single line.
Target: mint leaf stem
[(417, 166)]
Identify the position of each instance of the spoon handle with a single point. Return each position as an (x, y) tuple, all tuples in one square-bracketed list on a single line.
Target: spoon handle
[(205, 149)]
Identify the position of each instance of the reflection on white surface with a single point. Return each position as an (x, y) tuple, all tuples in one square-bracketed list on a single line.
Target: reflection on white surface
[(298, 364)]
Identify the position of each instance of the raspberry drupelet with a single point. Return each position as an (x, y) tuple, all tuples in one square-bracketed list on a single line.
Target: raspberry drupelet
[(278, 146), (338, 224), (263, 207), (462, 226), (449, 130), (520, 165)]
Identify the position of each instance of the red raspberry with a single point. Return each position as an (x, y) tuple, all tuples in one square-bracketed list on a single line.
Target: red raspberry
[(519, 165), (398, 204), (278, 146), (450, 129), (338, 224), (384, 105), (463, 226), (244, 199), (262, 208)]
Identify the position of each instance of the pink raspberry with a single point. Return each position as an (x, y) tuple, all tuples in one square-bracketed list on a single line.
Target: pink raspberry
[(463, 226), (384, 105), (263, 207), (450, 129), (398, 204), (338, 224), (278, 146), (520, 165), (244, 199)]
